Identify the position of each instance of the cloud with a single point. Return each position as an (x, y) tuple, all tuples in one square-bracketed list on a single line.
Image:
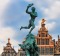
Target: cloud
[(28, 0), (53, 10), (6, 32), (49, 25), (3, 4), (50, 8)]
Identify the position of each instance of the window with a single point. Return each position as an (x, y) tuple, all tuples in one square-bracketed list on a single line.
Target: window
[(38, 41), (42, 51), (46, 35), (8, 54), (46, 51), (5, 54), (42, 41), (43, 35), (47, 41), (51, 51), (39, 35)]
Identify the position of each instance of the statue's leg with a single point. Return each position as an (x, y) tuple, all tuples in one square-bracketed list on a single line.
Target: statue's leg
[(26, 27), (27, 53), (33, 26)]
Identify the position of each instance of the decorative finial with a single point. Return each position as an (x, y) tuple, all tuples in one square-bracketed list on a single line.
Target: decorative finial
[(8, 40)]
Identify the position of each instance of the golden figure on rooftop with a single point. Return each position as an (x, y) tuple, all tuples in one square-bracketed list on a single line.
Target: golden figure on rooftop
[(43, 20)]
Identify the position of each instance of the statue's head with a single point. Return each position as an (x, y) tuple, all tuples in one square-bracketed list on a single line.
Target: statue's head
[(33, 9)]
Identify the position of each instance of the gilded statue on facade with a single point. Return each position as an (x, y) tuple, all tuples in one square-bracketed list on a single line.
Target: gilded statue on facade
[(43, 21)]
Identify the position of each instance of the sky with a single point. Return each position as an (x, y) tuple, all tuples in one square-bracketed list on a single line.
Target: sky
[(13, 15)]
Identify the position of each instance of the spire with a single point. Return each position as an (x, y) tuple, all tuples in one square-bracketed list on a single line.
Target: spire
[(9, 44), (8, 40), (58, 36)]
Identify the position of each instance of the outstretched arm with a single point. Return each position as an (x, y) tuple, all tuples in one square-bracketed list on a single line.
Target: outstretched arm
[(28, 8)]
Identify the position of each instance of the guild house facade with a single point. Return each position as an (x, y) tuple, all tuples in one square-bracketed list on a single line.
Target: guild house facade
[(8, 50), (47, 46), (44, 41)]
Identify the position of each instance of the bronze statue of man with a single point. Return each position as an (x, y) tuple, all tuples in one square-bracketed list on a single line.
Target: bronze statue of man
[(33, 15)]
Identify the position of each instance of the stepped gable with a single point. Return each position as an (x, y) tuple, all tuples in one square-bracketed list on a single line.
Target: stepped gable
[(44, 40)]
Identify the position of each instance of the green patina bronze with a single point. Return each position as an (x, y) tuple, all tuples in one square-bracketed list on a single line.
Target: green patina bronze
[(29, 45), (33, 15)]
